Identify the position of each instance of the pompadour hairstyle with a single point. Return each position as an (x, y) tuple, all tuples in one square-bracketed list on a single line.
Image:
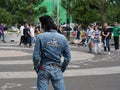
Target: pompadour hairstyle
[(47, 23)]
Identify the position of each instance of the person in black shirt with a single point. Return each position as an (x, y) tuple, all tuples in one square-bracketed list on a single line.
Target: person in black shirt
[(106, 36), (27, 35)]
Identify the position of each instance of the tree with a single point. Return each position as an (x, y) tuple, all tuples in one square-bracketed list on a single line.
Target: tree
[(102, 6), (87, 11), (109, 9), (115, 8), (5, 16), (82, 12), (22, 10)]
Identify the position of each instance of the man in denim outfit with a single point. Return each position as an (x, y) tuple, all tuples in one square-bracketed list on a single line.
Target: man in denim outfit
[(50, 46)]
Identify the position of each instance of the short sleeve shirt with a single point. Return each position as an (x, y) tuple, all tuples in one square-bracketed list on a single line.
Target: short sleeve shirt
[(107, 31)]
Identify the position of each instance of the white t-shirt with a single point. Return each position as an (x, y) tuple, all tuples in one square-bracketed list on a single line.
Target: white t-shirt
[(90, 32), (32, 32), (21, 30)]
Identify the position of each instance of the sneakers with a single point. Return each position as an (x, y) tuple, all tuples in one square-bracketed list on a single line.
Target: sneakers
[(99, 53), (109, 53), (4, 41)]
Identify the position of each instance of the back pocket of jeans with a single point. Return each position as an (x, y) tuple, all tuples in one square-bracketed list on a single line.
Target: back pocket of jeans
[(42, 74), (57, 75)]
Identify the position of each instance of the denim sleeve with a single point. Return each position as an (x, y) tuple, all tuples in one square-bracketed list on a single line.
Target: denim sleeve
[(67, 57), (37, 53)]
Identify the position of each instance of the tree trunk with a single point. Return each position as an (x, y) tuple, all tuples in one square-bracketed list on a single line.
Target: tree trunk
[(103, 10)]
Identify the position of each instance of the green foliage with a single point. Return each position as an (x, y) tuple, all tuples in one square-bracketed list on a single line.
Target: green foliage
[(5, 16), (21, 10), (64, 4), (54, 15), (82, 11), (113, 14), (87, 11), (83, 14)]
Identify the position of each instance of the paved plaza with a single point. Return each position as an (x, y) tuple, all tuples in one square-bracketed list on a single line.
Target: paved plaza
[(86, 71)]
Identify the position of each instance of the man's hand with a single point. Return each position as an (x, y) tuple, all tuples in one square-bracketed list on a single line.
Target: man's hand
[(36, 70)]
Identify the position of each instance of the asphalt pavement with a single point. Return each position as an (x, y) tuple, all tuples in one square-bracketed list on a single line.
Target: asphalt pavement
[(86, 71)]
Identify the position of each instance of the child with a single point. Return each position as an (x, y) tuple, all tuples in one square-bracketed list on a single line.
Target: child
[(97, 40)]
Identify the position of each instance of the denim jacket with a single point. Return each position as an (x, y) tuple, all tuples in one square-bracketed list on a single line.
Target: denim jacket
[(49, 48)]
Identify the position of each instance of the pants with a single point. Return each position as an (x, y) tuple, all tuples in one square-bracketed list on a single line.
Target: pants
[(21, 40), (106, 44), (116, 42), (97, 47), (27, 40), (89, 43), (3, 37), (50, 73)]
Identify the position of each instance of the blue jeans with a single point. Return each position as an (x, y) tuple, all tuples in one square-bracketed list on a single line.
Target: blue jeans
[(89, 43), (2, 35), (107, 44), (50, 73)]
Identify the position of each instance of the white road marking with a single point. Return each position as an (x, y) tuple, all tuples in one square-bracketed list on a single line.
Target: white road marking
[(68, 73), (10, 85), (12, 53), (18, 48), (73, 66), (16, 62), (23, 62), (75, 55), (33, 87)]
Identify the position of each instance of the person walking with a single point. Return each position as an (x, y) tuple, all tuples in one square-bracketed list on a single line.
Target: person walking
[(2, 32), (97, 40), (78, 32), (49, 47), (116, 29), (90, 31), (106, 36), (21, 34), (32, 30), (27, 35)]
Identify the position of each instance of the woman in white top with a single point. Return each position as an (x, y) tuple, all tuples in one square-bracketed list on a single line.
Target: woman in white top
[(21, 34), (32, 30)]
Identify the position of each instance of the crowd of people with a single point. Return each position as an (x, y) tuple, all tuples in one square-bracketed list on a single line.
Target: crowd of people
[(94, 36), (27, 33), (97, 36)]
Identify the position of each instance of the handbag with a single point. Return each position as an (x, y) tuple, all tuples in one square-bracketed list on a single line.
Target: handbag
[(92, 44)]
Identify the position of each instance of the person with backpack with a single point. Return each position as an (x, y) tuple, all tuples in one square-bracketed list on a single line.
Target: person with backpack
[(116, 30)]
